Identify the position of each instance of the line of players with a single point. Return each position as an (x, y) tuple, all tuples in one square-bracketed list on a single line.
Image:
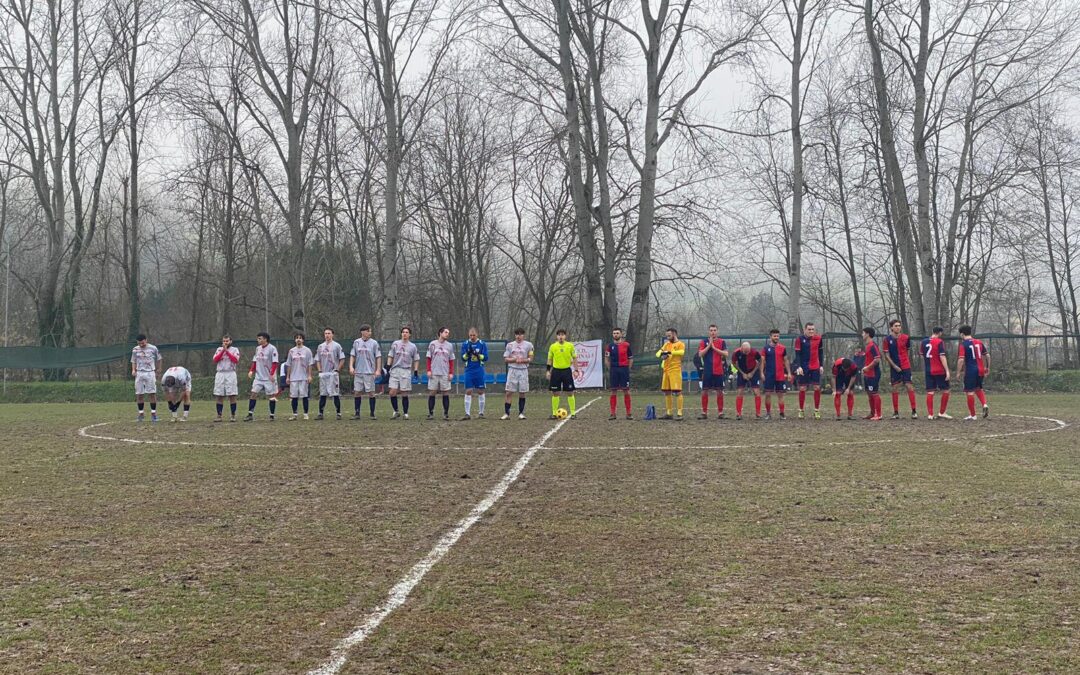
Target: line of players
[(769, 369)]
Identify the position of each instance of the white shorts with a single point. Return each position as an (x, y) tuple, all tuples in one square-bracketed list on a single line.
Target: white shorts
[(225, 384), (261, 386), (329, 384), (438, 382), (401, 380), (298, 389), (145, 382), (517, 380), (363, 383)]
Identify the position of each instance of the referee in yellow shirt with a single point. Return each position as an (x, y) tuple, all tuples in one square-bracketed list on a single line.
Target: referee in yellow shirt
[(560, 373), (671, 356)]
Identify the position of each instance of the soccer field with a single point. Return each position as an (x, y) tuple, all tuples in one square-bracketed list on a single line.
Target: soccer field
[(715, 546)]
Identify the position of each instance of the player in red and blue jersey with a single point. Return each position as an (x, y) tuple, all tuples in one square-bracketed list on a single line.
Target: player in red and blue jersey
[(896, 349), (748, 374), (809, 367), (973, 361), (713, 353), (936, 366), (620, 358), (777, 372), (872, 373), (844, 371)]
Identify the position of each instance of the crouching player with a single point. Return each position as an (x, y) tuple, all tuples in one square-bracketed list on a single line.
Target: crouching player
[(176, 383), (145, 362), (974, 362), (843, 373), (263, 373), (225, 359), (298, 364), (748, 375)]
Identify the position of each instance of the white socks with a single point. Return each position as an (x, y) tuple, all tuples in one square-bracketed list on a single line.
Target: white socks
[(468, 404)]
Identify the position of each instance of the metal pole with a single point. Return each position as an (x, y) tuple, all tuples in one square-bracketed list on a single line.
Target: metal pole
[(266, 288), (7, 301), (1046, 352)]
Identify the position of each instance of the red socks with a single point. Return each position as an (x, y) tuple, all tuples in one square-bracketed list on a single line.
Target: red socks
[(944, 402), (802, 399), (896, 402), (930, 404), (781, 406), (704, 402), (614, 398), (971, 403), (836, 403), (850, 404), (768, 407), (757, 404), (817, 399), (738, 405), (720, 402), (982, 396), (626, 402), (911, 398)]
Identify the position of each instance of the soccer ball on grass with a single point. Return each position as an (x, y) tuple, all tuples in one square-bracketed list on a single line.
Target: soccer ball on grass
[(561, 413)]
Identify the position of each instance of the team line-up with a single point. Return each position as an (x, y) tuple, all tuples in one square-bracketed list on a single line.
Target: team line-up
[(769, 370)]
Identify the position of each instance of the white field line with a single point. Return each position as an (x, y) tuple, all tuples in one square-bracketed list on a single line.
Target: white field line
[(404, 587)]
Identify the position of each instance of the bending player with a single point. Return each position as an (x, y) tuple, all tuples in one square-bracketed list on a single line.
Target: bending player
[(872, 373), (897, 354), (225, 359), (748, 375), (777, 372), (620, 358), (365, 359), (936, 367), (440, 370), (176, 384), (263, 373), (145, 364), (714, 353), (298, 364), (404, 363), (329, 359), (474, 353), (518, 355), (973, 361), (810, 366), (560, 374), (844, 371), (671, 355)]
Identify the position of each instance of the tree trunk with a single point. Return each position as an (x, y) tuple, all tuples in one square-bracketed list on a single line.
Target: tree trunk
[(795, 251)]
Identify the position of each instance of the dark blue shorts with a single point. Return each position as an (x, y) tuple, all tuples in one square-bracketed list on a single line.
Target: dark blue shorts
[(972, 381), (899, 376), (753, 383), (936, 383), (712, 380), (872, 384), (474, 379), (778, 386), (809, 377), (842, 382), (620, 377)]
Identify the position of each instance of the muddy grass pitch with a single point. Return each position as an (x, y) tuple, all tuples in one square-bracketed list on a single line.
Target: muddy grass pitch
[(695, 546)]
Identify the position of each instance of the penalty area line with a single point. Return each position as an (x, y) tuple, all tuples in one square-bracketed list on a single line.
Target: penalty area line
[(401, 591)]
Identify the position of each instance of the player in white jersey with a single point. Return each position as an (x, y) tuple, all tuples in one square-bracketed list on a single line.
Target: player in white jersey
[(145, 365), (440, 371), (404, 362), (330, 358), (518, 355), (225, 359), (297, 368), (263, 373), (365, 360), (176, 383)]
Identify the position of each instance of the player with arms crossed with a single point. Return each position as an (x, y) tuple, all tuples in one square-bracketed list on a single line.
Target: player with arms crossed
[(671, 355), (897, 353), (714, 353), (936, 365), (748, 365), (330, 359), (619, 358), (777, 373), (440, 370), (365, 359), (145, 365), (844, 371), (176, 384), (297, 365), (263, 372), (404, 363), (474, 353), (810, 366), (518, 355), (225, 359), (973, 360), (560, 373), (872, 373)]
